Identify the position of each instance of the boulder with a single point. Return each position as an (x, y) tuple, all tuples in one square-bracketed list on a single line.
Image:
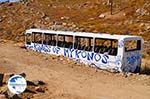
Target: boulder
[(3, 89), (10, 95), (2, 96), (102, 16), (38, 82), (39, 89), (23, 75), (6, 77), (1, 20)]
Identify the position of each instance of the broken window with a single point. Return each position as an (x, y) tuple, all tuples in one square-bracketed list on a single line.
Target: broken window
[(65, 41), (37, 37), (108, 46), (132, 45), (83, 43), (49, 39), (28, 39)]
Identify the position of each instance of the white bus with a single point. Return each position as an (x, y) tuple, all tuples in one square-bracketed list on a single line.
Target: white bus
[(121, 53)]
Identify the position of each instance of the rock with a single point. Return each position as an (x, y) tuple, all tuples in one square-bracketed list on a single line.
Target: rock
[(23, 75), (2, 96), (3, 89), (64, 24), (6, 77), (10, 95), (53, 58), (58, 23), (38, 82), (47, 18), (43, 15), (101, 16), (82, 29), (147, 26), (64, 18), (19, 44), (46, 58), (57, 27), (142, 24), (91, 18), (1, 20), (124, 14), (73, 25), (39, 89), (61, 59), (142, 11), (1, 79)]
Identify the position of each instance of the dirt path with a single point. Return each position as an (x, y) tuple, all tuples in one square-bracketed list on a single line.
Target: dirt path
[(67, 80)]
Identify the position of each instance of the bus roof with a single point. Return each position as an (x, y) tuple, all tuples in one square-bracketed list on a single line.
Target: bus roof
[(83, 34)]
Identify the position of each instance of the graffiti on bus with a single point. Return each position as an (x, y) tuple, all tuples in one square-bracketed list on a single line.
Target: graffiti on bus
[(71, 53)]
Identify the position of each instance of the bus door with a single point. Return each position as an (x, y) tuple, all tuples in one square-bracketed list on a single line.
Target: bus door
[(132, 55)]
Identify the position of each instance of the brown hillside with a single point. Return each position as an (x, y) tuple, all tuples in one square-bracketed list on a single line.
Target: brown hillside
[(132, 16)]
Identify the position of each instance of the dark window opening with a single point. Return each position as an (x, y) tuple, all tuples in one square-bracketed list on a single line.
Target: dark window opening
[(65, 41), (37, 37), (28, 39), (132, 45), (50, 39), (108, 46), (83, 43)]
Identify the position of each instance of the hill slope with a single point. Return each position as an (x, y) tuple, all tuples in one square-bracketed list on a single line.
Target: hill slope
[(131, 16)]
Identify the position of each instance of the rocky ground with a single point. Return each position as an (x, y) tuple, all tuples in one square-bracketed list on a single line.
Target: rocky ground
[(67, 79), (131, 16)]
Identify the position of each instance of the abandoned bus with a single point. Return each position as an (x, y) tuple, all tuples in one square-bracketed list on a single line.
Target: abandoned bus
[(121, 53)]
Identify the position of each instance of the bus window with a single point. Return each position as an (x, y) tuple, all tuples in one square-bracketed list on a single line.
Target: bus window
[(28, 39), (83, 43), (65, 41), (108, 46), (37, 37), (132, 45), (50, 39)]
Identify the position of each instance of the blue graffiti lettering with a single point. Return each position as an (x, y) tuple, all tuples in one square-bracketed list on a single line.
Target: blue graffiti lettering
[(77, 52), (90, 56), (40, 48), (37, 47), (97, 57), (66, 52), (83, 54), (56, 50), (71, 54), (105, 59), (131, 60), (45, 48)]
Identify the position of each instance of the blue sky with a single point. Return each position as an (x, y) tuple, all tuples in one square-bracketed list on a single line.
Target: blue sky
[(9, 0)]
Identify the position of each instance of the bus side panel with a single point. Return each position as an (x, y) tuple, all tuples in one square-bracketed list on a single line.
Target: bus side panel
[(45, 48), (102, 61)]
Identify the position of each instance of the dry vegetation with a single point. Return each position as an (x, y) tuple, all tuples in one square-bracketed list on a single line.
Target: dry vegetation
[(132, 16)]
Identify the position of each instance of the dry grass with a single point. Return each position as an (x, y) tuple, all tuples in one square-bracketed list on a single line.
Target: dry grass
[(83, 13), (146, 69)]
